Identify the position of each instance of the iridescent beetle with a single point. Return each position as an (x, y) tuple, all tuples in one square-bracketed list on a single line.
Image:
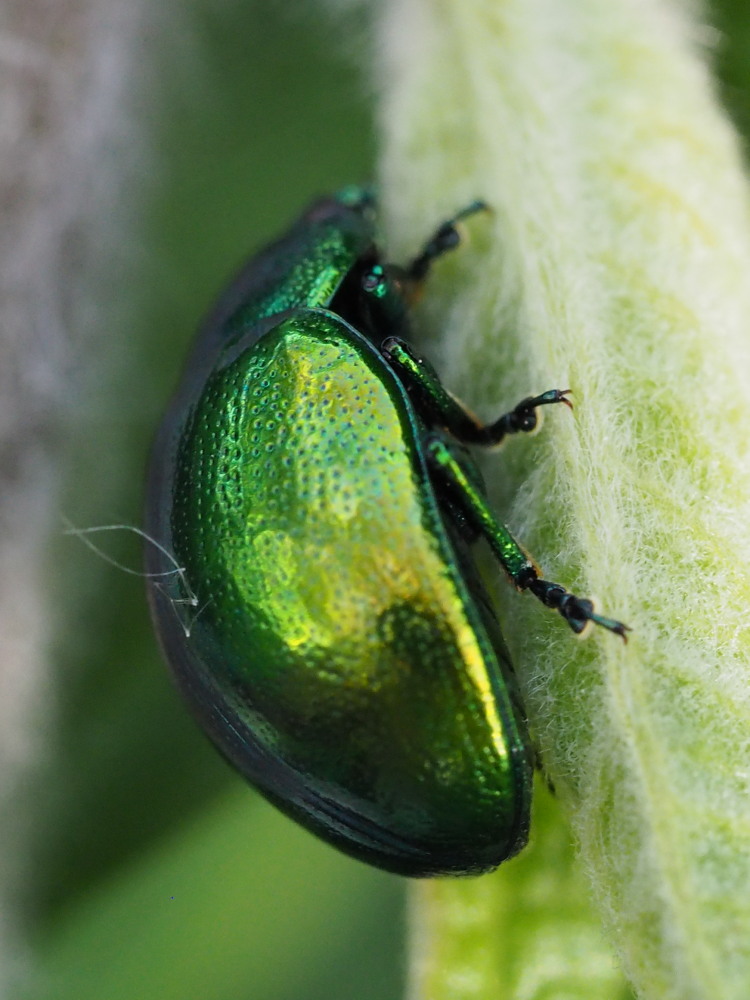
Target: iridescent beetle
[(328, 626)]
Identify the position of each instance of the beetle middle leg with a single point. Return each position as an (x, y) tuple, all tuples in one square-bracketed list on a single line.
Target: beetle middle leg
[(466, 494), (445, 410)]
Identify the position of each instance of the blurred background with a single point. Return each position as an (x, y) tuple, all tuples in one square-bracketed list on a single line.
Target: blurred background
[(155, 872), (158, 873)]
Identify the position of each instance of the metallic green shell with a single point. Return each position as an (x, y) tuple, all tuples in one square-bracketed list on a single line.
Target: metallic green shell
[(340, 653)]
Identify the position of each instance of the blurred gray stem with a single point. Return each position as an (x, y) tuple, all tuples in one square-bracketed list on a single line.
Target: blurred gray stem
[(64, 72)]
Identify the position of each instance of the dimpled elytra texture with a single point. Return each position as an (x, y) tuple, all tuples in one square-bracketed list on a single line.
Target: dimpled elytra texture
[(335, 624)]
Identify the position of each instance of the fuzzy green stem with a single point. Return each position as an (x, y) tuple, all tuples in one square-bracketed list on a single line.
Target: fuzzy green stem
[(616, 263), (517, 933)]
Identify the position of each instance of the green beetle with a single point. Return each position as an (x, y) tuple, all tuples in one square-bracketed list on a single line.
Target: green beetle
[(327, 624)]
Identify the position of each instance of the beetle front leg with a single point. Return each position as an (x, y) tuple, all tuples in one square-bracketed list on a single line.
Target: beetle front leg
[(421, 378), (450, 473), (445, 238)]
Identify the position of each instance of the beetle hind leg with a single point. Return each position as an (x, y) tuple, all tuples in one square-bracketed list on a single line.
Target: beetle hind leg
[(468, 496)]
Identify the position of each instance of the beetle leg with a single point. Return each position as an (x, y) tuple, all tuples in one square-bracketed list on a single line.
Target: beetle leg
[(445, 238), (523, 417), (421, 378), (577, 611)]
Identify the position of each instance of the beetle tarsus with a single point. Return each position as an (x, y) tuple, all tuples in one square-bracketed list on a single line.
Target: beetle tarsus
[(523, 418), (577, 611)]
